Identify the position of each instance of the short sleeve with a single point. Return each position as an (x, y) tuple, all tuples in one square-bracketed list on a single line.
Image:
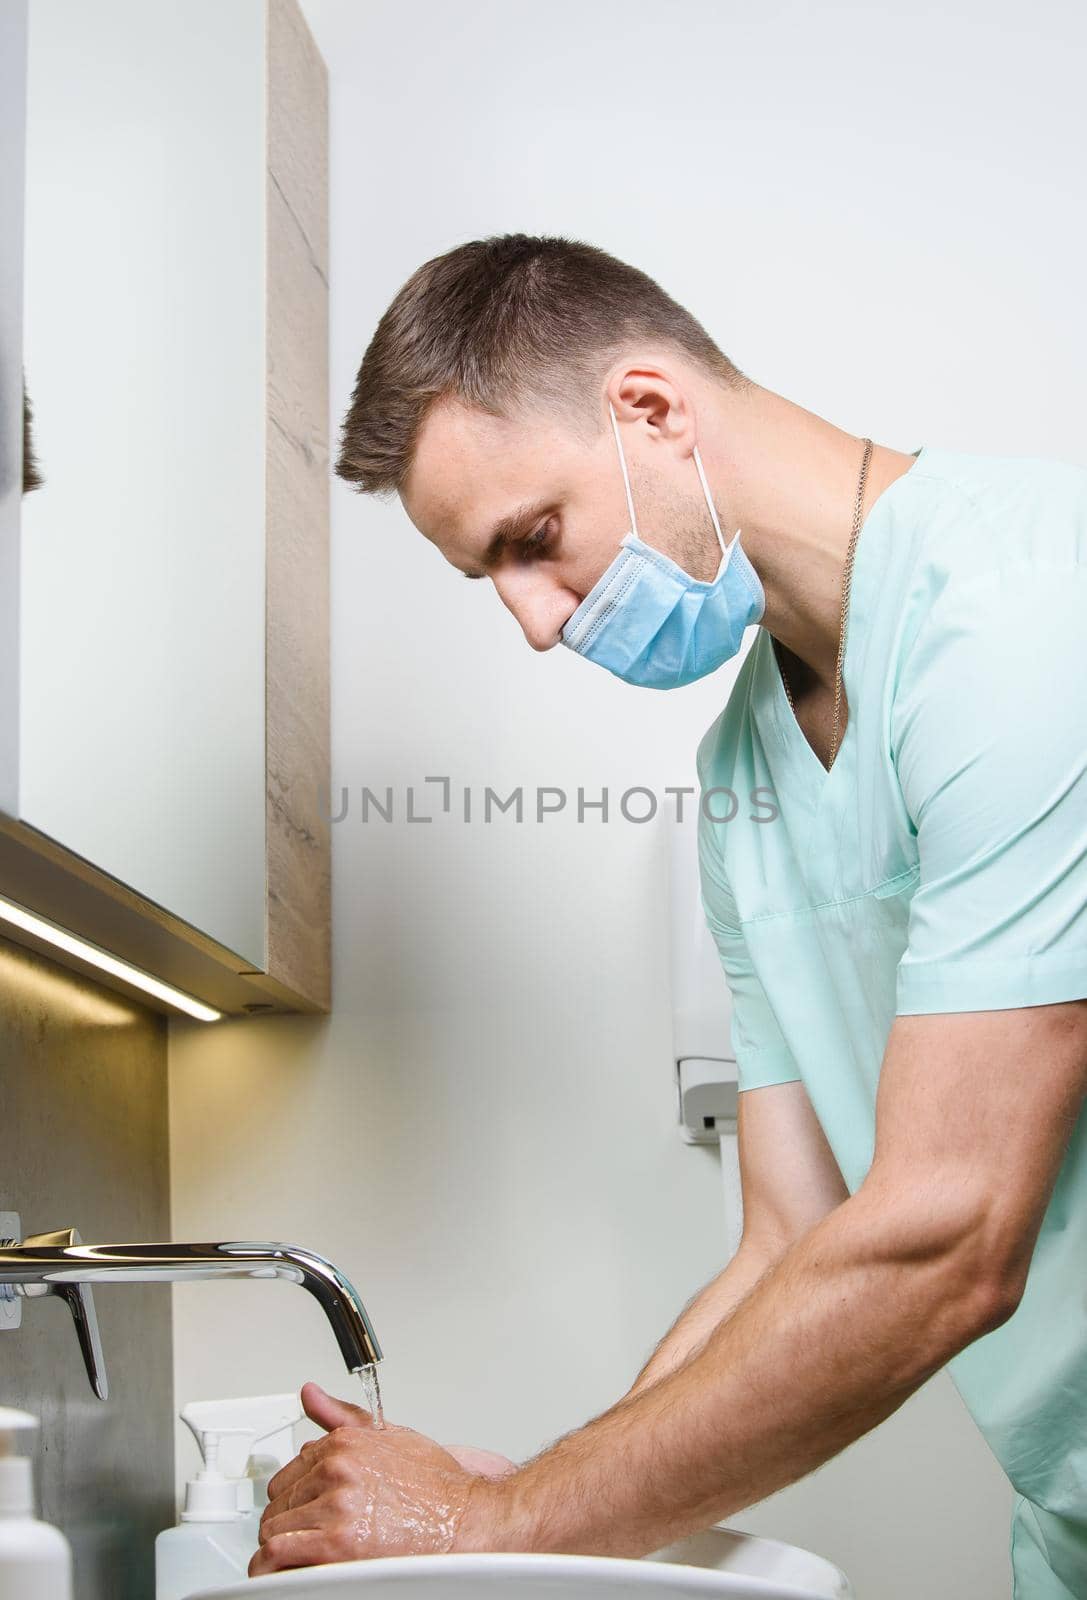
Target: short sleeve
[(989, 740), (762, 1055)]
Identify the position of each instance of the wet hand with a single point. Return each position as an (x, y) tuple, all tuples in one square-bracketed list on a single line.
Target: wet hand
[(363, 1491)]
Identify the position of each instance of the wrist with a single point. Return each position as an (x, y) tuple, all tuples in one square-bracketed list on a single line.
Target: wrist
[(491, 1519)]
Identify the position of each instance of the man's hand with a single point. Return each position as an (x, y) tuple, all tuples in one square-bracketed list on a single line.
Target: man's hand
[(363, 1491)]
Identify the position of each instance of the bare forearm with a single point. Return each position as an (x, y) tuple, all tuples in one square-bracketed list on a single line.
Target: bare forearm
[(828, 1343), (701, 1316)]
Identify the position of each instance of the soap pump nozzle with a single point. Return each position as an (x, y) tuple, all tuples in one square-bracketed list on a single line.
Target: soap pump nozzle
[(211, 1496), (226, 1432)]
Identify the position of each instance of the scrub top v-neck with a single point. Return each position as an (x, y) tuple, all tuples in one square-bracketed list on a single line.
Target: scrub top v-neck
[(939, 865)]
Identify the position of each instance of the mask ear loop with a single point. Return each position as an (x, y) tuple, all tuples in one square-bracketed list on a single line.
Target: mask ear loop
[(623, 464), (726, 550)]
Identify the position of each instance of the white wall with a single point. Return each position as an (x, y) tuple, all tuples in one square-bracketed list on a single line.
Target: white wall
[(868, 208)]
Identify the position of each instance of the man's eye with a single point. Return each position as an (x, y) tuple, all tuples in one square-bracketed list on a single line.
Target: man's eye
[(537, 540)]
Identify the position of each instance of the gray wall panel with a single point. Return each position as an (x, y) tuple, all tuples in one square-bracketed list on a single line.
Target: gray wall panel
[(83, 1111)]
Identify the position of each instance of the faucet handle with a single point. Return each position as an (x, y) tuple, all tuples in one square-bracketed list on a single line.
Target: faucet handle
[(80, 1302)]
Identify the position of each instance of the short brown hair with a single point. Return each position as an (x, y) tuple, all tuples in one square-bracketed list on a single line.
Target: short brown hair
[(32, 477), (503, 323)]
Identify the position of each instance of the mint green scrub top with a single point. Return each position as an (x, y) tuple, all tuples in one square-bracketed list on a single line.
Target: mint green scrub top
[(940, 865)]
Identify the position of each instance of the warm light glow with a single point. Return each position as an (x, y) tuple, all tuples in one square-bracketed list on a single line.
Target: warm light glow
[(19, 917)]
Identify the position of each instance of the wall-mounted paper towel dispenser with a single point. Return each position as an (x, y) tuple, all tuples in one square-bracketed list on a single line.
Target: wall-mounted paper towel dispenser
[(703, 1061)]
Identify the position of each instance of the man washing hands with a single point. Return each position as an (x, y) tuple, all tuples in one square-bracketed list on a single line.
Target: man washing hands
[(687, 1445), (661, 1463)]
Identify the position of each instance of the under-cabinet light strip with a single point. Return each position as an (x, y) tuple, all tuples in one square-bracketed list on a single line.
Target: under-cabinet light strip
[(49, 931)]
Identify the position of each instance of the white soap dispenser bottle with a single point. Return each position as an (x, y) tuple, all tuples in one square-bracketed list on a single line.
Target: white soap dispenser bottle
[(220, 1525), (35, 1558), (209, 1545)]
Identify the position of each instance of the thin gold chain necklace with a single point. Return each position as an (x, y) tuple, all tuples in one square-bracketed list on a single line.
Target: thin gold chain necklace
[(847, 578)]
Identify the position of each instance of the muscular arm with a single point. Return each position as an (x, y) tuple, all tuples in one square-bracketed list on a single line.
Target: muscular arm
[(789, 1180), (930, 1253), (833, 1335)]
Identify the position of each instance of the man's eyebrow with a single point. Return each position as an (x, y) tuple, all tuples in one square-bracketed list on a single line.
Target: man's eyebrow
[(515, 525)]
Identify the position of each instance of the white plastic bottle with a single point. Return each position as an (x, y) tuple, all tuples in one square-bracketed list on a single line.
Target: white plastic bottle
[(35, 1558), (220, 1526)]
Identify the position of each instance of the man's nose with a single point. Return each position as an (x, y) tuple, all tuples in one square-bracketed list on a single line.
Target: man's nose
[(541, 613)]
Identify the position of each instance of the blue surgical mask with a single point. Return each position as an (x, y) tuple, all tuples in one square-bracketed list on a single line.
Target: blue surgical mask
[(654, 625)]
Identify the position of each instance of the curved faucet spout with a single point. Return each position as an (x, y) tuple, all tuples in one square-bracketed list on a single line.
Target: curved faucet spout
[(42, 1265)]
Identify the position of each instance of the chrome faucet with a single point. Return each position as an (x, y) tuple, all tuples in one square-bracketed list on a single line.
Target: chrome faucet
[(59, 1264)]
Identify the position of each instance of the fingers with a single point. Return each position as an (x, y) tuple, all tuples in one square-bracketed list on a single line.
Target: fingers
[(329, 1413), (292, 1549), (315, 1454), (312, 1515), (304, 1493), (286, 1478)]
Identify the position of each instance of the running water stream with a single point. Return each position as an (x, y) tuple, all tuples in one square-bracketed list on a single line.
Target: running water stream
[(372, 1390)]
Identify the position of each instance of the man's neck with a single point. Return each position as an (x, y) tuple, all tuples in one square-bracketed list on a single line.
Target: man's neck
[(788, 479)]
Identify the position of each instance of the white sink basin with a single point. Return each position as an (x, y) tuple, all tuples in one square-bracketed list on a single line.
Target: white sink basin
[(720, 1561)]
